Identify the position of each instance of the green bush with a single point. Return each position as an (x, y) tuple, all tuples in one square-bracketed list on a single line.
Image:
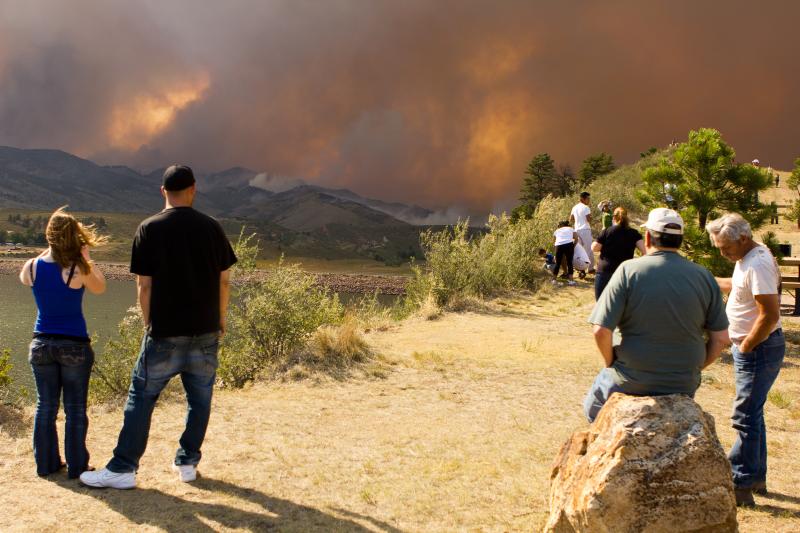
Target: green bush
[(459, 264), (269, 319), (5, 376)]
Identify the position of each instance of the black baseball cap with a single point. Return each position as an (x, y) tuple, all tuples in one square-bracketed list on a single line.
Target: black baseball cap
[(178, 178)]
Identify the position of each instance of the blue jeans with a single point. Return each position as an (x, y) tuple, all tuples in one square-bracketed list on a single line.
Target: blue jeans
[(601, 390), (755, 373), (161, 359), (605, 385), (601, 279), (60, 365)]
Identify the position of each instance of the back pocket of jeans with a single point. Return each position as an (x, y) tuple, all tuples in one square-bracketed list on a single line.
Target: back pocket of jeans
[(39, 353), (73, 355), (210, 354)]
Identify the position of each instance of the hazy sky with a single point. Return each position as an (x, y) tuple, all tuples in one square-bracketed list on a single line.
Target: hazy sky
[(438, 102)]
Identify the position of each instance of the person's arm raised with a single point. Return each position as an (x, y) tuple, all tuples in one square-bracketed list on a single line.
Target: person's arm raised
[(25, 274), (94, 281), (224, 296), (144, 287), (603, 337), (717, 340)]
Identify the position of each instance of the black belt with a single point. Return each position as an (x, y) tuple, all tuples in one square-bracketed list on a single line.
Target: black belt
[(59, 336)]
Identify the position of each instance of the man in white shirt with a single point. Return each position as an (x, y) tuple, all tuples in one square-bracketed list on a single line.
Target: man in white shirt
[(581, 219), (753, 311)]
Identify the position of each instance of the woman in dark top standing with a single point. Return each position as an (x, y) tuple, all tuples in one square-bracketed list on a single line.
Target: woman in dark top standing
[(615, 244), (61, 355)]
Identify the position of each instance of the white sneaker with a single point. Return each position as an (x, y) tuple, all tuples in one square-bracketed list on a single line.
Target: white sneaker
[(571, 283), (187, 472), (106, 478)]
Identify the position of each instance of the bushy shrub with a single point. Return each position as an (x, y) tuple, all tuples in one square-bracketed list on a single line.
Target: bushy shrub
[(5, 376), (113, 365), (770, 240), (111, 373), (269, 319), (459, 264)]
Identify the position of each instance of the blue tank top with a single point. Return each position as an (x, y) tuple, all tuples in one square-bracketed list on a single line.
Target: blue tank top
[(60, 307)]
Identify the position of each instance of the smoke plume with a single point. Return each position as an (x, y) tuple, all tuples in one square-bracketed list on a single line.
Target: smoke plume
[(437, 103)]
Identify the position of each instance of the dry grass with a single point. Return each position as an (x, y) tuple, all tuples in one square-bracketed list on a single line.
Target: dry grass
[(458, 437)]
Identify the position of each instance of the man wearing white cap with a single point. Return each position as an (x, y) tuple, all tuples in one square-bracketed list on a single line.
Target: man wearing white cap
[(663, 305)]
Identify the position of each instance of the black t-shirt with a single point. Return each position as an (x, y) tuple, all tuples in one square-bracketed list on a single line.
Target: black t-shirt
[(619, 243), (184, 251)]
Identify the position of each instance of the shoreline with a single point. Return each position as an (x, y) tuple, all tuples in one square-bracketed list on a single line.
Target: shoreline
[(347, 283)]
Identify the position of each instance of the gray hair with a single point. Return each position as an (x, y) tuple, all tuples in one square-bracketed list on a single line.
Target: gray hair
[(729, 228)]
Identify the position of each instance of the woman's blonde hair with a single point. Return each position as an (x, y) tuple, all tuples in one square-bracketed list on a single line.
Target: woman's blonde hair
[(621, 217), (66, 236)]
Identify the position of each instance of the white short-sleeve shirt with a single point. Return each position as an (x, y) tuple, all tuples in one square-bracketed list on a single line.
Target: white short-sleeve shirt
[(563, 235), (756, 273), (580, 211)]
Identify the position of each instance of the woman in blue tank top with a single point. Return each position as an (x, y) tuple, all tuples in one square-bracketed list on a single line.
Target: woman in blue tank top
[(61, 355)]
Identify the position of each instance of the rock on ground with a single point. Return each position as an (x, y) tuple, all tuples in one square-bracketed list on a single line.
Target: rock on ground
[(647, 464)]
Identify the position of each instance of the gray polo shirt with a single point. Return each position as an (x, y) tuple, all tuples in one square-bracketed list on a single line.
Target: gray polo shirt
[(662, 304)]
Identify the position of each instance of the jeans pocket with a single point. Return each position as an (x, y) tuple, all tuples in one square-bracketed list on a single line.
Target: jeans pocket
[(159, 356), (210, 354), (39, 353), (74, 355)]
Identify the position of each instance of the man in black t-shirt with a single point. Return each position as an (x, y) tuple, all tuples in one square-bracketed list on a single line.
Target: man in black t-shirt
[(181, 259)]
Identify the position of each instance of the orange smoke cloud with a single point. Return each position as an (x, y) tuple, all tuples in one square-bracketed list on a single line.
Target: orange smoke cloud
[(136, 122), (438, 103)]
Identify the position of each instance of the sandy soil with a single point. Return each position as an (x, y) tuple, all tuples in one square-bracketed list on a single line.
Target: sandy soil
[(459, 436)]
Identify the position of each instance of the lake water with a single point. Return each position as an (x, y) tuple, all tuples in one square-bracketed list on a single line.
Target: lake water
[(18, 314), (103, 313)]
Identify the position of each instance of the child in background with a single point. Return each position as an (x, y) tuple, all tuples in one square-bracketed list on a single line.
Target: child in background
[(605, 209), (549, 260), (565, 249)]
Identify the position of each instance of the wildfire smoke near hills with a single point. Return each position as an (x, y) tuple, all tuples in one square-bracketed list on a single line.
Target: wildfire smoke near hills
[(437, 103)]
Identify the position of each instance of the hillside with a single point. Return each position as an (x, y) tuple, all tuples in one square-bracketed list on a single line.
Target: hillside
[(304, 220), (37, 179)]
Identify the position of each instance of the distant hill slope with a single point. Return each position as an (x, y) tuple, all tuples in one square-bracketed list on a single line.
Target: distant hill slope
[(304, 219), (36, 179)]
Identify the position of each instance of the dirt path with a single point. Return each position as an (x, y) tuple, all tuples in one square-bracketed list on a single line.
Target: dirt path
[(458, 437)]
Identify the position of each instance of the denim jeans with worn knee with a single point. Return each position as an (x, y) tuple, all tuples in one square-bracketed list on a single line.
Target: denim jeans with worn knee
[(61, 366), (755, 373), (161, 359)]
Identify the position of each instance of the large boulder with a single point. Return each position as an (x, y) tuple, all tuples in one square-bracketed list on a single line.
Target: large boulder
[(646, 464)]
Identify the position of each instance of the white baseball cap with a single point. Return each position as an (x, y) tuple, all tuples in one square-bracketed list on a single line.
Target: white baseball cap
[(659, 218)]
